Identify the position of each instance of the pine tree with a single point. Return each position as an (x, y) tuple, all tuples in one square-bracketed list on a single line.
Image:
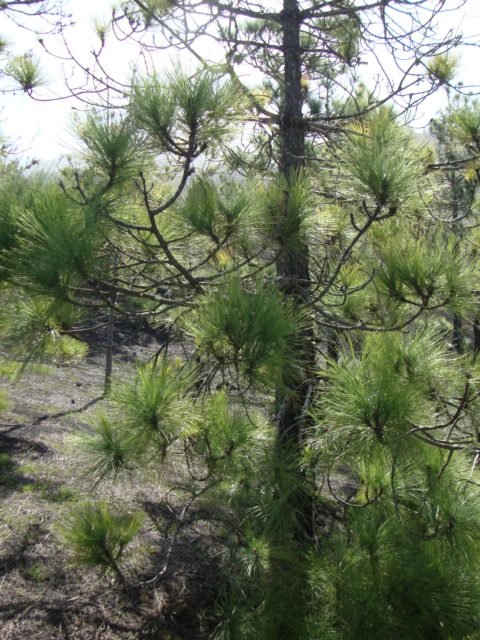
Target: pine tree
[(313, 401)]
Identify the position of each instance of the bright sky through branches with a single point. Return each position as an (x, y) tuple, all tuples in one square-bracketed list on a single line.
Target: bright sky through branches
[(39, 129)]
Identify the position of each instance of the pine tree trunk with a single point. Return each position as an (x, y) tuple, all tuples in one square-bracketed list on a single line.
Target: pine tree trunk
[(110, 337), (476, 336), (293, 260), (457, 333), (292, 267), (109, 352)]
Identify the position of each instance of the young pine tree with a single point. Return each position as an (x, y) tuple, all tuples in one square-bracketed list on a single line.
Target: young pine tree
[(301, 268)]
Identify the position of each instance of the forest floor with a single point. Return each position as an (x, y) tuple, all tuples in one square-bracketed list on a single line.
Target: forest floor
[(42, 594)]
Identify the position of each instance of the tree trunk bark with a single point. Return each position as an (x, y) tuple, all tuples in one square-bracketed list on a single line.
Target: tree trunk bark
[(457, 334), (110, 337), (292, 268), (476, 336), (109, 352), (293, 260)]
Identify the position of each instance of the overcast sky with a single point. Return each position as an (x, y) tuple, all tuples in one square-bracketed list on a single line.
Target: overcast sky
[(40, 129)]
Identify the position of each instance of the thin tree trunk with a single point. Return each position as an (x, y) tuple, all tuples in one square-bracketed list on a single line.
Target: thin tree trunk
[(109, 351), (293, 260), (476, 335), (457, 334), (292, 267), (332, 346), (110, 335)]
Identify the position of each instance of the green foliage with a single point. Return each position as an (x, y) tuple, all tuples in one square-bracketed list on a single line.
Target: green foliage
[(417, 509), (254, 557), (430, 270), (98, 536), (358, 102), (48, 489), (64, 349), (230, 442), (152, 108), (200, 208), (253, 331), (344, 33), (284, 212), (183, 114), (101, 28), (12, 190), (148, 12), (375, 400), (404, 572), (34, 327), (381, 162), (25, 70), (443, 68), (13, 369), (153, 409), (57, 243), (216, 213), (465, 125), (37, 572), (267, 572), (112, 146), (107, 450)]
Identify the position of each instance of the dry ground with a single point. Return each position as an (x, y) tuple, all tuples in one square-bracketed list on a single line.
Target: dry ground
[(42, 596)]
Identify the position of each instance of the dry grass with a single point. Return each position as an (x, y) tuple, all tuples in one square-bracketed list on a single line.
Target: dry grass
[(42, 596)]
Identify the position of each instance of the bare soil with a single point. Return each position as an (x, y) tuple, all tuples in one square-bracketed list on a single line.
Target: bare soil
[(42, 594)]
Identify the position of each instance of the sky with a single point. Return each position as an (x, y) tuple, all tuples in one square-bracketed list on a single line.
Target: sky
[(41, 129)]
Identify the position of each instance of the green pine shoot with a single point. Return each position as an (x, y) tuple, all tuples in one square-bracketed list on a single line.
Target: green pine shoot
[(98, 536)]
